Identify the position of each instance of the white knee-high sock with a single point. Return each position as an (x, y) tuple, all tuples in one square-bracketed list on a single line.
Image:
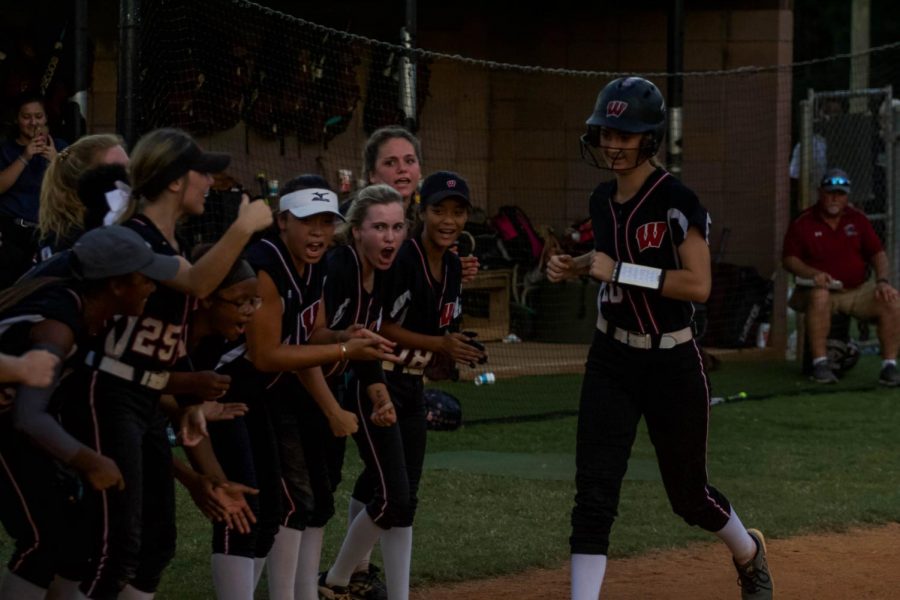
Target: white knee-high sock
[(588, 571), (232, 577), (14, 587), (353, 509), (132, 593), (281, 565), (306, 584), (396, 550), (361, 537), (735, 536), (259, 563), (64, 589)]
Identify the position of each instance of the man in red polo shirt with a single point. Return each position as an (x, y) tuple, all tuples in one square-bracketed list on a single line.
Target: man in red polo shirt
[(833, 245)]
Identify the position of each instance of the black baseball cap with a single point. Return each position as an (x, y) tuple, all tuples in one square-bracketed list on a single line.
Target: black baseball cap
[(835, 180), (444, 184), (116, 250), (192, 158)]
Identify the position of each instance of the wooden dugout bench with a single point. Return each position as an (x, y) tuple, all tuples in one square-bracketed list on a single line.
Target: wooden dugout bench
[(495, 284)]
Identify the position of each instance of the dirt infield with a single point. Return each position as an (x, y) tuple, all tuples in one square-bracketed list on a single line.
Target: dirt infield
[(859, 565)]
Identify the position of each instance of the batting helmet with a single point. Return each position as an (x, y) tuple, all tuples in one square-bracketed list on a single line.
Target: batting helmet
[(443, 412), (630, 104)]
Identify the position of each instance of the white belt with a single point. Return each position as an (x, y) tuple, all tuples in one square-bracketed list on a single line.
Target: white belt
[(155, 380), (644, 341), (391, 367)]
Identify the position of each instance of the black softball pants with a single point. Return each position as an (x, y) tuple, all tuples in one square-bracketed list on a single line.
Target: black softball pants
[(134, 536), (247, 450), (670, 389), (38, 499), (394, 455), (305, 444)]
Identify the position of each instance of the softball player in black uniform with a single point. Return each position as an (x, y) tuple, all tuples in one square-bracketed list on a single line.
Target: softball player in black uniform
[(375, 229), (137, 538), (290, 284), (242, 451), (652, 257), (422, 302), (60, 315)]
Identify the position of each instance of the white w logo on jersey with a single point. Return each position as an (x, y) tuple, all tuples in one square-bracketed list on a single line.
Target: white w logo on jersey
[(399, 304), (339, 313)]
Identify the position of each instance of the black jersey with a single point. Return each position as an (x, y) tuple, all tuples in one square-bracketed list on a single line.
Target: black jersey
[(415, 299), (301, 295), (646, 230), (346, 300), (155, 340), (57, 301)]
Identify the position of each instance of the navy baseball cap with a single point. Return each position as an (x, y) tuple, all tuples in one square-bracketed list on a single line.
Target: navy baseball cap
[(444, 184), (192, 158), (116, 250), (835, 180)]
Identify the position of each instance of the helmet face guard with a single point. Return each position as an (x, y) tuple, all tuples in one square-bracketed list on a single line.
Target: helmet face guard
[(590, 141), (632, 105)]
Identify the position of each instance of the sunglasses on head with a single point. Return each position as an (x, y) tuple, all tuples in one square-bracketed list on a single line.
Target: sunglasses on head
[(835, 181)]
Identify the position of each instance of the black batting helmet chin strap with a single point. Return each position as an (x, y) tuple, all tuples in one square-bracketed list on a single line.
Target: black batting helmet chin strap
[(646, 151)]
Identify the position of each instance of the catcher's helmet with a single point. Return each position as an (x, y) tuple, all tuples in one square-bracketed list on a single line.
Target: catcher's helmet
[(443, 412), (630, 104)]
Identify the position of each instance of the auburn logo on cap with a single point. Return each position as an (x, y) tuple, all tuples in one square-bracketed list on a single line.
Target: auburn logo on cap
[(615, 108), (451, 183)]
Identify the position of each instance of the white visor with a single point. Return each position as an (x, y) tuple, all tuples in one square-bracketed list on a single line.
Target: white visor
[(312, 201)]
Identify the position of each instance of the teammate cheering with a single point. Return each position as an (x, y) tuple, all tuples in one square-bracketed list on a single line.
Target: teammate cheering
[(278, 336), (170, 176), (393, 156), (110, 275), (422, 293), (652, 257), (353, 298)]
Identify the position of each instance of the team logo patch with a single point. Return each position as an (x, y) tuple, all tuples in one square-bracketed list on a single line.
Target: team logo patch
[(650, 235), (850, 230), (615, 108), (448, 311), (308, 319), (451, 183)]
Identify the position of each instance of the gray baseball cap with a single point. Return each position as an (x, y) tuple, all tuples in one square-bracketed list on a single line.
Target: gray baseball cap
[(836, 180), (116, 250)]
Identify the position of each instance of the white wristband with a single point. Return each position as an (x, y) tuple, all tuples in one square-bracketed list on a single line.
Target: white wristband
[(638, 276)]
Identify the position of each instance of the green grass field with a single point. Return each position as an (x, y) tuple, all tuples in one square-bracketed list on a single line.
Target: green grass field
[(495, 497)]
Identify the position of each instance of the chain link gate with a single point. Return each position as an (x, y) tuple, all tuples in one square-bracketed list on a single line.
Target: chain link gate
[(855, 130)]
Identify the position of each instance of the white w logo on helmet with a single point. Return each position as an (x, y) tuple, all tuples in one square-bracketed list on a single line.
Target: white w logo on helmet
[(615, 108)]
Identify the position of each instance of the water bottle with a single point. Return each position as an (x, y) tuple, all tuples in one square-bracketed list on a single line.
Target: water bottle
[(485, 378), (791, 352), (273, 193), (762, 335)]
